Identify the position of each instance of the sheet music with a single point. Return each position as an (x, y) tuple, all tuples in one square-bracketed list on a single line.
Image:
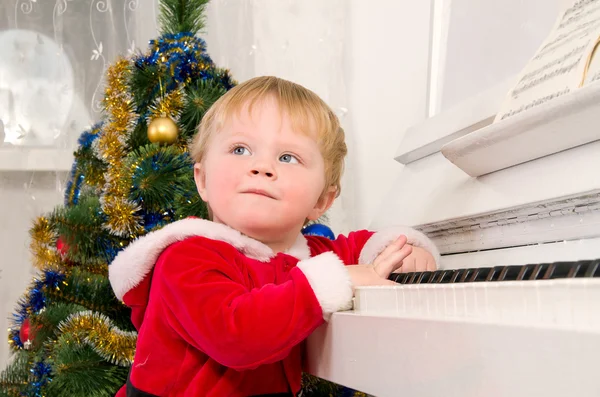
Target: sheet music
[(559, 65)]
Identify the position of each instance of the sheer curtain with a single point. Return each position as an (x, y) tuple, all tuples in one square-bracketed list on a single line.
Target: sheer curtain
[(54, 57)]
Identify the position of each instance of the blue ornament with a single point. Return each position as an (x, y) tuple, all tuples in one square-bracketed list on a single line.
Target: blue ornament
[(317, 229)]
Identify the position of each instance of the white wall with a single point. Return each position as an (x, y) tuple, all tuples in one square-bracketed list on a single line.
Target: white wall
[(387, 63), (23, 196)]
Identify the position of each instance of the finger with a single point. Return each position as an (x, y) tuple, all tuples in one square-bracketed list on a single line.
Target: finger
[(409, 265), (394, 246), (392, 262), (399, 268), (431, 267)]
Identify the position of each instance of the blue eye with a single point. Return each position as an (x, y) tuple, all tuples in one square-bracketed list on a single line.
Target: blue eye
[(240, 151), (288, 158)]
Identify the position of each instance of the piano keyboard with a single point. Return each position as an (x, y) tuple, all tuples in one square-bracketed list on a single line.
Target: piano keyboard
[(562, 294), (542, 271)]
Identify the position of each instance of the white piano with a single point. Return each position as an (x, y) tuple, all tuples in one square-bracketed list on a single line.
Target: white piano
[(531, 331)]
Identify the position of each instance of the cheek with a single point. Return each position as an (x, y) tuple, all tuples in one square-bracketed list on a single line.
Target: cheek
[(222, 178), (302, 187)]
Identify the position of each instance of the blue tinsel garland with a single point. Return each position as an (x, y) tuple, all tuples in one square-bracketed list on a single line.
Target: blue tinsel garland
[(76, 178)]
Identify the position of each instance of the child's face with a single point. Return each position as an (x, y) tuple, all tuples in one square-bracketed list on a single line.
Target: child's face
[(262, 178)]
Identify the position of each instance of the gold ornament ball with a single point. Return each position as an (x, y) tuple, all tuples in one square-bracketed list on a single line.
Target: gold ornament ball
[(162, 130)]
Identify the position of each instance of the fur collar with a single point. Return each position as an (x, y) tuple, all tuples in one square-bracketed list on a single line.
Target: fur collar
[(134, 263)]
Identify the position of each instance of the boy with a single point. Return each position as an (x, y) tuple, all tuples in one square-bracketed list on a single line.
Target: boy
[(223, 306)]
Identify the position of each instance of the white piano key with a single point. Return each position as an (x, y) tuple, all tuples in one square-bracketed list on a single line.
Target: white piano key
[(592, 298), (459, 299), (510, 301), (530, 301), (439, 298), (471, 299), (563, 303)]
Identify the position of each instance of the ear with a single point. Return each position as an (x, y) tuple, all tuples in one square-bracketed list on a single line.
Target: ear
[(200, 179), (323, 204)]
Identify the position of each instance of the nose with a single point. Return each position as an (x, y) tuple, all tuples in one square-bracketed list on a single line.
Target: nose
[(263, 168)]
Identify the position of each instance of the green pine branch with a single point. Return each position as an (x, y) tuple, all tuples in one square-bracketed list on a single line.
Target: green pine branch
[(188, 202), (182, 16), (89, 291), (81, 372), (81, 228), (139, 135), (13, 379), (46, 323), (159, 172), (145, 83), (91, 166), (199, 97)]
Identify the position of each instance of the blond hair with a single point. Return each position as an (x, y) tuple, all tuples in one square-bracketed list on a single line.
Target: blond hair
[(305, 109)]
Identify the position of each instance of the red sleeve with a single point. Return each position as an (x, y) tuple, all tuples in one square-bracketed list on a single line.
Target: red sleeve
[(363, 246), (241, 328), (347, 248)]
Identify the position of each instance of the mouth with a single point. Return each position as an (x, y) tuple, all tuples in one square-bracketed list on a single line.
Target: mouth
[(259, 192)]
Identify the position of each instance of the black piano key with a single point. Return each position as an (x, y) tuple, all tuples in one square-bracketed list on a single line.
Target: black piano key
[(420, 277), (465, 275), (558, 270), (447, 276), (437, 276), (495, 273), (581, 273), (412, 278), (593, 269), (525, 272), (456, 275), (404, 277), (479, 274), (573, 270), (510, 273), (395, 277), (425, 278), (538, 271)]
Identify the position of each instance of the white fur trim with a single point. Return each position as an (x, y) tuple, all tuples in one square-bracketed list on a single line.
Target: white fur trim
[(300, 249), (380, 240), (330, 282), (133, 263)]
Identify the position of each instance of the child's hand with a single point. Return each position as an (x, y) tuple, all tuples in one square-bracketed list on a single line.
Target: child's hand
[(420, 260), (378, 272)]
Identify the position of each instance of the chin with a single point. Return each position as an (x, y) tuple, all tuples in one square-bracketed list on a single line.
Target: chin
[(261, 230)]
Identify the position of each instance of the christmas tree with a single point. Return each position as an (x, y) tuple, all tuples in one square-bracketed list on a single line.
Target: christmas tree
[(70, 336)]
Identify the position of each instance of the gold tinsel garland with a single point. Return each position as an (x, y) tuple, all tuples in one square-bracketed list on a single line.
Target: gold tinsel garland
[(43, 244), (120, 211), (47, 257), (169, 105), (97, 331)]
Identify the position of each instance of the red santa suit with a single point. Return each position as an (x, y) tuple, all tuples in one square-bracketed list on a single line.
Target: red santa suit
[(220, 314)]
